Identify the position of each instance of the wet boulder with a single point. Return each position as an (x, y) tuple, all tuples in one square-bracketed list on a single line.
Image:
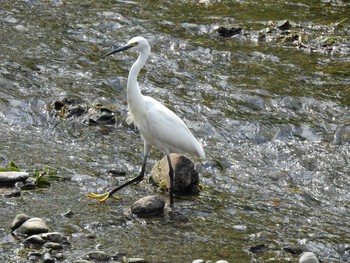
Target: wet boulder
[(33, 226), (148, 205), (186, 179), (11, 178)]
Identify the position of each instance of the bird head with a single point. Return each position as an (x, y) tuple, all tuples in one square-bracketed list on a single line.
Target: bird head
[(136, 43)]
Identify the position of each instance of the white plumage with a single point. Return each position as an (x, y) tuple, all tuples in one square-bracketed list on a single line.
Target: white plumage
[(159, 126)]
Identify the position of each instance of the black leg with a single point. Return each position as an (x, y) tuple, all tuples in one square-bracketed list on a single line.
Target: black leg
[(171, 178), (136, 179)]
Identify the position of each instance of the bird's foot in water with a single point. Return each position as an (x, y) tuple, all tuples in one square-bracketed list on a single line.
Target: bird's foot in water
[(103, 197)]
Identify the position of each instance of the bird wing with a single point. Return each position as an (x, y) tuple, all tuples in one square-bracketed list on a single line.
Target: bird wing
[(167, 131)]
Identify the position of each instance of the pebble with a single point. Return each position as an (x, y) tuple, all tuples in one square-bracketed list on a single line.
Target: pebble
[(52, 236), (97, 256), (308, 257), (33, 226), (54, 246), (10, 178), (148, 205), (18, 221), (186, 178)]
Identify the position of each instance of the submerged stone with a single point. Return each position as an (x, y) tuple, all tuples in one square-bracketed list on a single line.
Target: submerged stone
[(97, 256), (148, 205), (186, 179)]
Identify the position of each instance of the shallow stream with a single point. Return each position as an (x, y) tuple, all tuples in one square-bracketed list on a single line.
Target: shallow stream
[(273, 119)]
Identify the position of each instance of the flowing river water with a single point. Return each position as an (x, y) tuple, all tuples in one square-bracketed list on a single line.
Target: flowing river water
[(273, 120)]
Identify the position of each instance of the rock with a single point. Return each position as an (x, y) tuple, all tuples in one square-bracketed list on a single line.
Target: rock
[(221, 261), (52, 236), (34, 256), (48, 258), (14, 193), (135, 260), (308, 257), (198, 261), (33, 226), (54, 246), (10, 178), (148, 205), (68, 213), (186, 178), (97, 256), (283, 25), (35, 239), (18, 221), (225, 32), (258, 248)]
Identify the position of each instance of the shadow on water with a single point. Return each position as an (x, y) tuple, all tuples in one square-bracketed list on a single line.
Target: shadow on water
[(273, 119)]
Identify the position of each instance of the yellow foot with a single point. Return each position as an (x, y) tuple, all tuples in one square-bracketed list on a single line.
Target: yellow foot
[(103, 197)]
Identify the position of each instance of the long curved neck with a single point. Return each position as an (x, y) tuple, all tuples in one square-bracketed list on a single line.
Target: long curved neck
[(133, 89)]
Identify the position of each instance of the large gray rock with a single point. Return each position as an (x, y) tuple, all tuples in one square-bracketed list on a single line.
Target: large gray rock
[(148, 205), (33, 226), (186, 180), (10, 178)]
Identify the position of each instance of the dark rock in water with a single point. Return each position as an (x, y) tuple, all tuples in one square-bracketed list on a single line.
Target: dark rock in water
[(29, 186), (33, 226), (35, 239), (52, 236), (97, 256), (48, 258), (10, 178), (148, 205), (18, 221), (68, 213), (34, 256), (186, 179), (283, 25), (225, 32), (58, 105), (105, 119), (14, 193), (258, 248), (76, 112)]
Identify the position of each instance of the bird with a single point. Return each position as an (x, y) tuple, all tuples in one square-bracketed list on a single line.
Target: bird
[(158, 125)]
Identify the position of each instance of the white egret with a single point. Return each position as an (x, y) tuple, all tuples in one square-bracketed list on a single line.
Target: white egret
[(159, 126)]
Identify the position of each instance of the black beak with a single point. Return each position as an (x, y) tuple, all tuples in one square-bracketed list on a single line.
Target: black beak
[(118, 50)]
